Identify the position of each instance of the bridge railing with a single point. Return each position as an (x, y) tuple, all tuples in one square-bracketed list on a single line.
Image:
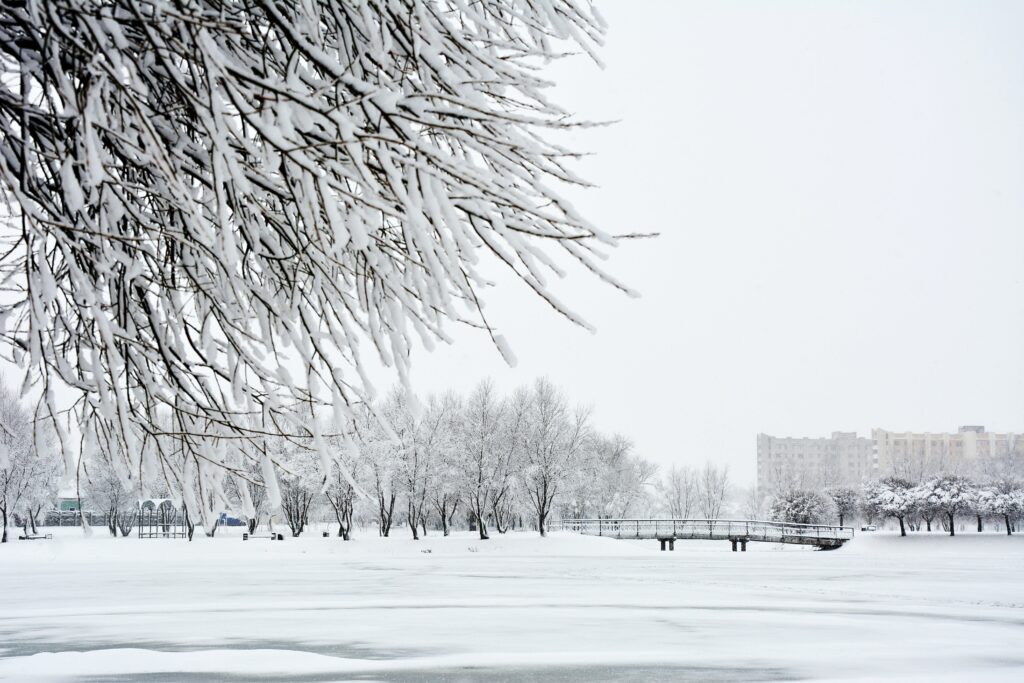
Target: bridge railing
[(702, 528)]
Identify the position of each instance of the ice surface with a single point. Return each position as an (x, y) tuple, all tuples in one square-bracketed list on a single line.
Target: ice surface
[(515, 608)]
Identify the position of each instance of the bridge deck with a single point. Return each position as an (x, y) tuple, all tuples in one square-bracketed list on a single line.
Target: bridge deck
[(824, 537)]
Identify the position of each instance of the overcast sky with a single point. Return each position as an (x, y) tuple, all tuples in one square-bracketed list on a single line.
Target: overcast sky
[(838, 188)]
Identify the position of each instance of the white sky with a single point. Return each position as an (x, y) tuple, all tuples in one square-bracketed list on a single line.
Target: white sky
[(838, 186)]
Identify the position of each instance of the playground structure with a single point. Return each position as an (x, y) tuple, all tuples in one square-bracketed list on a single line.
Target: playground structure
[(162, 518)]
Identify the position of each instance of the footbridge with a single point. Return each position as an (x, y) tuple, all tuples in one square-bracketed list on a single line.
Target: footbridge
[(737, 532)]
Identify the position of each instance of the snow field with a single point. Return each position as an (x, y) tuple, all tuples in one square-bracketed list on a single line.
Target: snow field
[(516, 607)]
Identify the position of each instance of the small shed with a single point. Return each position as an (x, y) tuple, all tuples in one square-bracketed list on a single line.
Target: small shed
[(67, 500)]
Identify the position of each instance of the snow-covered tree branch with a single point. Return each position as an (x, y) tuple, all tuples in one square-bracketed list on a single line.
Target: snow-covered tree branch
[(213, 208)]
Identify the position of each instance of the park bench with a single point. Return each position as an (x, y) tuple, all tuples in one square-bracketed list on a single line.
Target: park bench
[(37, 537)]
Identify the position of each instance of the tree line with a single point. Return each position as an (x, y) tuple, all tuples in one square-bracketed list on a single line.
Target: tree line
[(486, 460), (936, 501)]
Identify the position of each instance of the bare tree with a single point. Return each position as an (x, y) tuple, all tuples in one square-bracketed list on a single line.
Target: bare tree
[(755, 504), (678, 492), (712, 490)]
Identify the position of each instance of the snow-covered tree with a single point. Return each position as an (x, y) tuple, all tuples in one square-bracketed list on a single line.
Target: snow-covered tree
[(28, 472), (214, 206), (925, 507), (844, 501), (622, 481), (1003, 498), (801, 506), (343, 489), (423, 439), (952, 495), (492, 432), (299, 488), (377, 445), (445, 493), (44, 478), (249, 489), (509, 493), (891, 497), (107, 493), (553, 437)]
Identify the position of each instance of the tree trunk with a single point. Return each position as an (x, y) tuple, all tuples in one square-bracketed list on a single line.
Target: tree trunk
[(1006, 518), (413, 522), (251, 524), (126, 522), (840, 519), (386, 514), (190, 527), (423, 525), (928, 523), (481, 525), (451, 517), (980, 527), (541, 518), (903, 529), (952, 527), (3, 537)]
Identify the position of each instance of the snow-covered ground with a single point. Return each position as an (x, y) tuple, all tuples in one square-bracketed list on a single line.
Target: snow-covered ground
[(515, 608)]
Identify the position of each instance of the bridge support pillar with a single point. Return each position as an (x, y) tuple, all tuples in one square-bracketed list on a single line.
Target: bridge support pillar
[(670, 542), (733, 541), (743, 544)]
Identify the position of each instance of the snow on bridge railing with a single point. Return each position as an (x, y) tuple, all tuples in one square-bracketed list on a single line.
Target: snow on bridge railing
[(703, 528)]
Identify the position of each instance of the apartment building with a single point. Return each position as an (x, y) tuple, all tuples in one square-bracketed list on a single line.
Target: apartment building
[(841, 459), (848, 460), (914, 455)]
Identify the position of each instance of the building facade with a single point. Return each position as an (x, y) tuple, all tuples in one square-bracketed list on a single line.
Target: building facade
[(843, 459), (916, 455)]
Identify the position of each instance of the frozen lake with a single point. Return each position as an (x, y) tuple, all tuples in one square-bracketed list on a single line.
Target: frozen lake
[(516, 608)]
